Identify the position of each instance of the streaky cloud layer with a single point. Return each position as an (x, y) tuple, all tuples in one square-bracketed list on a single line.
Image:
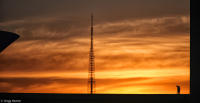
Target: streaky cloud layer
[(141, 47)]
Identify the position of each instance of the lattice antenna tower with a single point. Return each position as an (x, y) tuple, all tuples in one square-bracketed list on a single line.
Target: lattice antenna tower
[(91, 62)]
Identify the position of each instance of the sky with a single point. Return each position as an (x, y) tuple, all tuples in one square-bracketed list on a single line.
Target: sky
[(140, 46)]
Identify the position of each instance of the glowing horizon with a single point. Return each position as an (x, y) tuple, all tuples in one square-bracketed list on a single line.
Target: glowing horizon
[(148, 54)]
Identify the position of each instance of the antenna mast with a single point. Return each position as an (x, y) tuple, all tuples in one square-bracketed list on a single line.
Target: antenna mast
[(91, 62)]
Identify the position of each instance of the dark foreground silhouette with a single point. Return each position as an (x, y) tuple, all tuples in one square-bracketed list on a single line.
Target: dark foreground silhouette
[(6, 38), (178, 89), (95, 98)]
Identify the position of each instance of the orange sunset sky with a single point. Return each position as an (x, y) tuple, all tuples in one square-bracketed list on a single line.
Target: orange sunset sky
[(140, 46)]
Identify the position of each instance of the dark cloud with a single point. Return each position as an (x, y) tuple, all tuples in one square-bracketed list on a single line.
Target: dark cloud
[(57, 29), (48, 29), (155, 27), (104, 10), (50, 61)]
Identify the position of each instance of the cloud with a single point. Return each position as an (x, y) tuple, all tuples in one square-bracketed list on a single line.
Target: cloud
[(51, 51), (129, 35), (104, 10), (47, 28), (32, 84), (67, 28), (79, 85), (123, 55), (164, 26), (42, 62), (27, 84), (157, 85)]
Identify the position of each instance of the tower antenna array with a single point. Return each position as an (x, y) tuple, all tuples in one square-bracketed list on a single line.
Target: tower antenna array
[(91, 62)]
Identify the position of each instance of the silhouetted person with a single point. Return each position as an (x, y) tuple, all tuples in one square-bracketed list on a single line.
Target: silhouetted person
[(178, 89), (6, 38)]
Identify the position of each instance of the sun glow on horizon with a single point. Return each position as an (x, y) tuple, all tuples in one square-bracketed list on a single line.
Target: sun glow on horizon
[(136, 52)]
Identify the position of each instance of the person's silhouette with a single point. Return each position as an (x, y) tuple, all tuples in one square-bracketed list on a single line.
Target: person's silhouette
[(178, 89)]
